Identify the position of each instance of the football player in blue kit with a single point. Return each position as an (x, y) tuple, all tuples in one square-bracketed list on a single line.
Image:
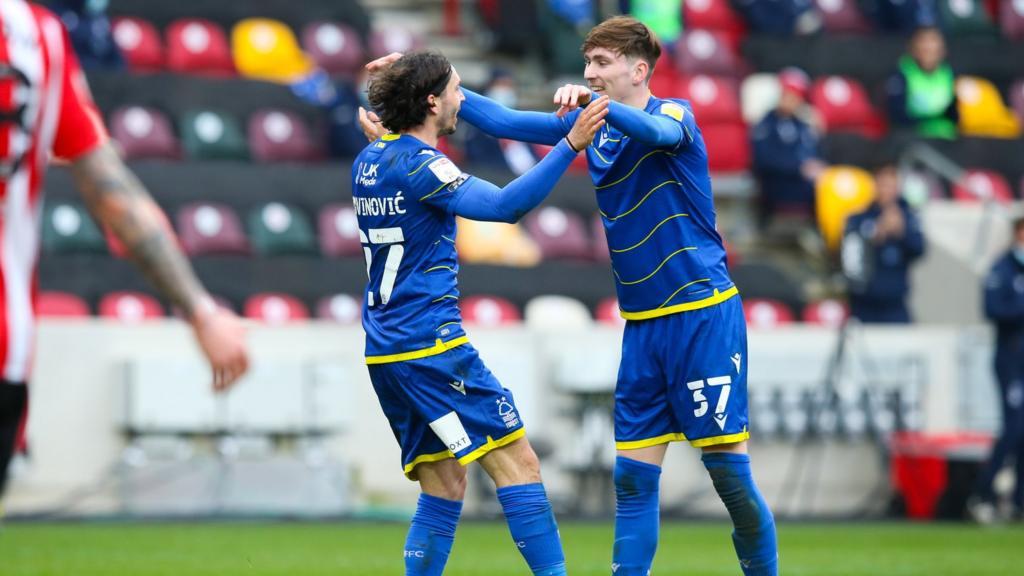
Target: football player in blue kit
[(683, 374), (444, 407)]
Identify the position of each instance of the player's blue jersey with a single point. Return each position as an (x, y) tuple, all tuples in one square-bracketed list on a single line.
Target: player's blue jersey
[(659, 217), (403, 191)]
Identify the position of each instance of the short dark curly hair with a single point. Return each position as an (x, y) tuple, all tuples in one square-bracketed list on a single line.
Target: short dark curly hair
[(399, 93)]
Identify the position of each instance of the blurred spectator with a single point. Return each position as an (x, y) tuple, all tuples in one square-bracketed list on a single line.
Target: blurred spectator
[(483, 149), (786, 158), (346, 139), (922, 94), (879, 245), (579, 13), (901, 15), (780, 17), (1004, 306), (664, 17), (90, 32)]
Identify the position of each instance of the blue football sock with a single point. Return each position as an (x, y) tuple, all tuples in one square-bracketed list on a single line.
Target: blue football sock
[(431, 535), (754, 533), (533, 528), (636, 516)]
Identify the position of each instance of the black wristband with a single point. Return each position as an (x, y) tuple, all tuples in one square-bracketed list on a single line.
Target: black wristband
[(571, 147)]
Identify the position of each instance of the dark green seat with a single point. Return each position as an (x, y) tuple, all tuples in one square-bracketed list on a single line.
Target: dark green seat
[(68, 228), (212, 135), (280, 228)]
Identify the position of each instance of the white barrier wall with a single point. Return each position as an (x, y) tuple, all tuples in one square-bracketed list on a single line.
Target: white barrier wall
[(93, 379)]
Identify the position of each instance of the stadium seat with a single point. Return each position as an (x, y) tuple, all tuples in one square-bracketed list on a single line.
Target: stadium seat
[(607, 312), (280, 136), (707, 52), (139, 43), (599, 240), (920, 187), (714, 100), (759, 94), (279, 228), (210, 228), (558, 234), (982, 111), (130, 307), (384, 41), (840, 192), (335, 47), (842, 17), (715, 15), (1017, 99), (144, 133), (196, 46), (275, 308), (61, 305), (964, 17), (551, 312), (212, 135), (495, 243), (665, 81), (980, 185), (68, 228), (845, 107), (765, 313), (266, 49), (1011, 19), (728, 147), (489, 311), (340, 308), (830, 313), (338, 231)]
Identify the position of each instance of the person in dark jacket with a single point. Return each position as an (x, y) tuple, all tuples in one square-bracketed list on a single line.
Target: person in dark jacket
[(922, 93), (1004, 307), (879, 245), (90, 33), (786, 156)]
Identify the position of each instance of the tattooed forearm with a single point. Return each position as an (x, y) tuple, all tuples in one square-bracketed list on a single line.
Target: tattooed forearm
[(117, 200)]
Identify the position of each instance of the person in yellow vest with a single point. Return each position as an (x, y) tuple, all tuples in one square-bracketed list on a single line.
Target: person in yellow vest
[(922, 94)]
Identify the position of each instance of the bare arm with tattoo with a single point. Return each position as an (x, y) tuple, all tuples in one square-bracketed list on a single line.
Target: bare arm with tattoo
[(119, 201)]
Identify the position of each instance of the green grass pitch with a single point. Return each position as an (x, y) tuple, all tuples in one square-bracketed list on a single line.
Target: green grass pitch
[(485, 549)]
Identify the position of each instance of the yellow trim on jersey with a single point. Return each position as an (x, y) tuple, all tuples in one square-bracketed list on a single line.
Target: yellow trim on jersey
[(717, 298), (435, 191), (716, 440), (425, 162), (448, 268), (491, 445), (598, 152), (446, 324), (648, 237), (635, 166), (642, 200), (680, 437), (648, 277), (445, 297), (435, 457), (681, 288), (439, 347), (390, 137)]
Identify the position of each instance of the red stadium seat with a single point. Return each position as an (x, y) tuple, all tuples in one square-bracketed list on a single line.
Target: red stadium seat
[(489, 311), (130, 307), (340, 308), (842, 17), (707, 52), (766, 313), (715, 15), (338, 231), (599, 240), (275, 308), (829, 313), (335, 47), (1017, 98), (280, 136), (209, 228), (728, 147), (665, 81), (607, 312), (198, 47), (139, 42), (144, 133), (979, 185), (714, 100), (558, 233), (384, 41), (61, 305), (845, 107), (1011, 19)]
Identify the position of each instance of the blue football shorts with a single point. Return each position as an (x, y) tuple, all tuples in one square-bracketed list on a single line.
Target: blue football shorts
[(445, 406), (683, 377)]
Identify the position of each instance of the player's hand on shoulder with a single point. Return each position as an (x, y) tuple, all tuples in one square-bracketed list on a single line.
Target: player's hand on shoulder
[(571, 97), (370, 124), (588, 123), (221, 336), (382, 62)]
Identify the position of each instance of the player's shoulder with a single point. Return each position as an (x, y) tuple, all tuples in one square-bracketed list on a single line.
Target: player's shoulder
[(676, 108)]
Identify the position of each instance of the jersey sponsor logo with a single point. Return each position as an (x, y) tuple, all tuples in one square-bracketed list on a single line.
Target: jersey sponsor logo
[(673, 110), (379, 206), (602, 140), (459, 386), (736, 358), (445, 170), (367, 174), (450, 430)]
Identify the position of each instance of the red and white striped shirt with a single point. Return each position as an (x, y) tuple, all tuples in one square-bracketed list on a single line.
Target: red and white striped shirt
[(42, 78)]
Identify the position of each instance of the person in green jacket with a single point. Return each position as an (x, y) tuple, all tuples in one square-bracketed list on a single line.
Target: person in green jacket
[(922, 93)]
